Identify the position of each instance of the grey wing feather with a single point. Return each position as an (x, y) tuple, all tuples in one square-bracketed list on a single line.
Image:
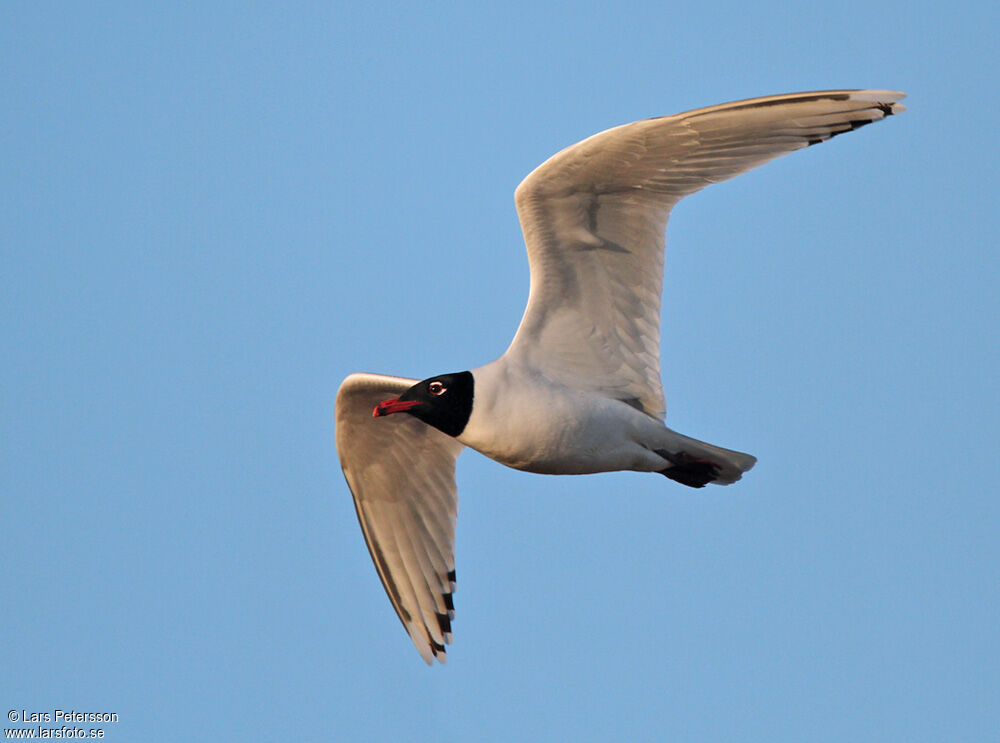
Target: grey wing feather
[(401, 473), (594, 217)]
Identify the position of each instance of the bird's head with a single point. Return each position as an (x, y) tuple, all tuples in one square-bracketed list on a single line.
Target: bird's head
[(444, 401)]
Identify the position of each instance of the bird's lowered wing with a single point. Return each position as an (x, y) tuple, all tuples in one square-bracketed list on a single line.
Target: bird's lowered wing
[(594, 217), (402, 475)]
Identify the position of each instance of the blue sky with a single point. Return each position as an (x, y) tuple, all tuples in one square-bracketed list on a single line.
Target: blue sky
[(214, 212)]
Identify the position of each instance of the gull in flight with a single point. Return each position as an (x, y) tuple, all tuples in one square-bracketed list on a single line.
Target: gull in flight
[(578, 391)]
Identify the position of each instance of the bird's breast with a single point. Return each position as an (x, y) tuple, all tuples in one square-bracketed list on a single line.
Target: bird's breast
[(549, 429)]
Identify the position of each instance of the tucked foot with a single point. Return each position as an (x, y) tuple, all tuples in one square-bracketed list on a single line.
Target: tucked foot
[(688, 470)]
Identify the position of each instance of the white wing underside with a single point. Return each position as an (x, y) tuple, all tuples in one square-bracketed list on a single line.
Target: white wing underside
[(594, 217), (402, 475)]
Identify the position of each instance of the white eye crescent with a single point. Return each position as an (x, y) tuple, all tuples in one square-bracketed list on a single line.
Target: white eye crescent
[(436, 388)]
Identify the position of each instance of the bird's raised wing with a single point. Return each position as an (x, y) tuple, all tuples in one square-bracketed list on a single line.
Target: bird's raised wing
[(402, 475), (594, 217)]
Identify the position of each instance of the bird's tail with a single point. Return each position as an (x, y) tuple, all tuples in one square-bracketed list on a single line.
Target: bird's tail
[(695, 463)]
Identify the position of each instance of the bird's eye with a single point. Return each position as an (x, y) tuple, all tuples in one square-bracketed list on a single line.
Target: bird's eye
[(436, 388)]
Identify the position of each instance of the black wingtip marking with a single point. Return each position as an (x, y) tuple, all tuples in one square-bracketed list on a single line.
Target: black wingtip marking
[(451, 576), (449, 602), (885, 108), (444, 622)]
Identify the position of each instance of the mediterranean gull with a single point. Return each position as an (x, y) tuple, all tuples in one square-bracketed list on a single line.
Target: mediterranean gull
[(578, 390)]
